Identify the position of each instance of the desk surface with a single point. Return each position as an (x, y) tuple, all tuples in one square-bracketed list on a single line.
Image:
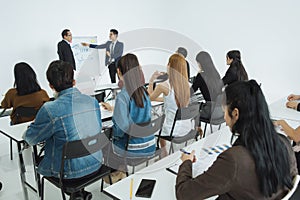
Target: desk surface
[(111, 86), (15, 131), (165, 180), (278, 110)]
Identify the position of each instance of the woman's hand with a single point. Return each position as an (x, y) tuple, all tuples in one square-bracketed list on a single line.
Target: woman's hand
[(155, 75), (278, 122), (107, 106), (293, 97), (190, 156), (292, 104)]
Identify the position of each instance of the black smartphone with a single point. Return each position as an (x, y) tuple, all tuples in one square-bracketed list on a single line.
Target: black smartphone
[(145, 188)]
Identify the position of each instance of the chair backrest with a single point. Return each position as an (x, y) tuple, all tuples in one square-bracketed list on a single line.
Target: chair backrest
[(146, 129), (84, 147), (190, 112), (24, 112), (81, 148), (291, 192)]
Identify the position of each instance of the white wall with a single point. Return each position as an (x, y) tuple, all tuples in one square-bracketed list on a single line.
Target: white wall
[(266, 32)]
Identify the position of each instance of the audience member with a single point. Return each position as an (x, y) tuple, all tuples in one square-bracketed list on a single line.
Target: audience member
[(176, 94), (71, 116), (236, 70), (132, 105), (260, 157), (26, 93), (182, 51), (209, 82)]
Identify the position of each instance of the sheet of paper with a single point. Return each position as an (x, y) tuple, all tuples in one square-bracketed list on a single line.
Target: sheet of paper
[(206, 158)]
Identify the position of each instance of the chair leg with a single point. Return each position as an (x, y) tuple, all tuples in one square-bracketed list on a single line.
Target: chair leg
[(219, 126), (63, 194), (204, 130), (171, 148), (211, 130), (185, 143), (42, 189), (101, 187), (133, 167), (11, 150)]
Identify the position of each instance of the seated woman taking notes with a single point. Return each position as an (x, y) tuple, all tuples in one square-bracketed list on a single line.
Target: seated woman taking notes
[(176, 94), (26, 92), (259, 165), (132, 105)]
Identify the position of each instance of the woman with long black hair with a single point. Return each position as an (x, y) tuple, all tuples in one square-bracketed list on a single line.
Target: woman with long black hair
[(260, 157), (236, 70), (26, 92)]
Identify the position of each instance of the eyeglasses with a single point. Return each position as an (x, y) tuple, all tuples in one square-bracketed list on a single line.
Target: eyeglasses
[(69, 35)]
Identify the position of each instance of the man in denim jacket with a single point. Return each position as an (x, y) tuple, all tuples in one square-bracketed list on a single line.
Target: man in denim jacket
[(71, 116)]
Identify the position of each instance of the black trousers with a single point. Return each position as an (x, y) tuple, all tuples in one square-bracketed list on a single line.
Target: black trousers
[(112, 72)]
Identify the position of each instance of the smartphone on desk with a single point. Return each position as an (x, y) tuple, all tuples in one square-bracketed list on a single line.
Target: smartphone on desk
[(145, 188)]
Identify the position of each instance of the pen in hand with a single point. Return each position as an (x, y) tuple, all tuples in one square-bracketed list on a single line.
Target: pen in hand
[(185, 152), (187, 155)]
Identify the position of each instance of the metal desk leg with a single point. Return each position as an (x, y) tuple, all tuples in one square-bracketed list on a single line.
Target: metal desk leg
[(36, 175), (11, 150), (22, 171)]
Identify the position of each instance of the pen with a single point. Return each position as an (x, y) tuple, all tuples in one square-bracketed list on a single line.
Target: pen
[(131, 185), (107, 99), (185, 152)]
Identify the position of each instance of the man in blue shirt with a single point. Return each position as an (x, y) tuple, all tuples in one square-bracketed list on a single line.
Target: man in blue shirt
[(71, 116)]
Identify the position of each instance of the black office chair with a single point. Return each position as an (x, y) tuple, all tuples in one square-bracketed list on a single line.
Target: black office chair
[(215, 116), (27, 112), (294, 193), (78, 149), (188, 113), (135, 130)]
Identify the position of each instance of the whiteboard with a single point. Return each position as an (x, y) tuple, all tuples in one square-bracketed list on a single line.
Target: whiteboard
[(87, 63)]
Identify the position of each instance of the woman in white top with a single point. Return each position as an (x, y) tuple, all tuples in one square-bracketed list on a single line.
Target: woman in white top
[(176, 94)]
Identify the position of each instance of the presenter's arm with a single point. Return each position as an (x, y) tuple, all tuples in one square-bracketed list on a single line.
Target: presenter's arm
[(94, 46)]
